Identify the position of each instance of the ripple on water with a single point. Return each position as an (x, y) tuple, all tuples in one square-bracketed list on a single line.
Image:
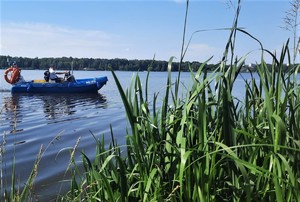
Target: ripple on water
[(56, 122)]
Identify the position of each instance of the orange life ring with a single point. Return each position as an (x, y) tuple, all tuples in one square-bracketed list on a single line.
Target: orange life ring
[(12, 75)]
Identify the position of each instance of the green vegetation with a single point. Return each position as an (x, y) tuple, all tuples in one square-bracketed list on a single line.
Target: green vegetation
[(92, 64), (98, 64), (206, 145)]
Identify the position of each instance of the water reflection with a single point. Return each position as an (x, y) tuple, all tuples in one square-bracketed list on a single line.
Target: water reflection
[(10, 112), (55, 107), (28, 121)]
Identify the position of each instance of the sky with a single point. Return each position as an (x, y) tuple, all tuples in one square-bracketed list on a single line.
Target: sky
[(139, 29)]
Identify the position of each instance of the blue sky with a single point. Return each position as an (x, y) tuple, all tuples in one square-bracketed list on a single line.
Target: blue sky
[(137, 29)]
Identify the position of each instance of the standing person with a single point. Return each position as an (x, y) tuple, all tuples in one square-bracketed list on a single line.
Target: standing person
[(53, 74), (13, 74), (20, 77)]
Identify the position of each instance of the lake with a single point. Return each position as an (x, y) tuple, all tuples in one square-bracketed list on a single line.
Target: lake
[(58, 122)]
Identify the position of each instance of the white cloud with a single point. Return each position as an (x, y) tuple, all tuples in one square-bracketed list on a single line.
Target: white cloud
[(44, 40)]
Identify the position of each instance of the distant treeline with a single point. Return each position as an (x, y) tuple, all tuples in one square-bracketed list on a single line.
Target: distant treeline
[(98, 64), (67, 63)]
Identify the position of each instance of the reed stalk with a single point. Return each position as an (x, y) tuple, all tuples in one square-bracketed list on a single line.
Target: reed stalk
[(211, 147), (15, 192), (207, 145)]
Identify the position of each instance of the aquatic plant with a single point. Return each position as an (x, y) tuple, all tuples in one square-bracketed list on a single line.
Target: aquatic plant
[(17, 192), (207, 145)]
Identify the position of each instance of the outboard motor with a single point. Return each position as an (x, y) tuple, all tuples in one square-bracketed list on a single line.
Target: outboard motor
[(46, 75)]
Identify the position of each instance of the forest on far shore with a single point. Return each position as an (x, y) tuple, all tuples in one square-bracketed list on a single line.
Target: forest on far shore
[(67, 63), (117, 64)]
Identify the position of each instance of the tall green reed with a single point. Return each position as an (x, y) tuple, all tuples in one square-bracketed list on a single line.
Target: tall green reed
[(207, 145), (183, 153)]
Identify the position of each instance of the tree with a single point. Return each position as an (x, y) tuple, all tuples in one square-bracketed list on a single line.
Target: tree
[(291, 23)]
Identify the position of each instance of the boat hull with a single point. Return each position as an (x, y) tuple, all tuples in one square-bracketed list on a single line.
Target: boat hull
[(91, 85)]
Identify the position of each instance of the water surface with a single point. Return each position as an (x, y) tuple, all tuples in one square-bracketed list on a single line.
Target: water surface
[(58, 122)]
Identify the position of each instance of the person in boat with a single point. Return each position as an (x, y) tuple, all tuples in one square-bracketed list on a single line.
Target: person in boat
[(14, 65), (15, 75), (53, 74)]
